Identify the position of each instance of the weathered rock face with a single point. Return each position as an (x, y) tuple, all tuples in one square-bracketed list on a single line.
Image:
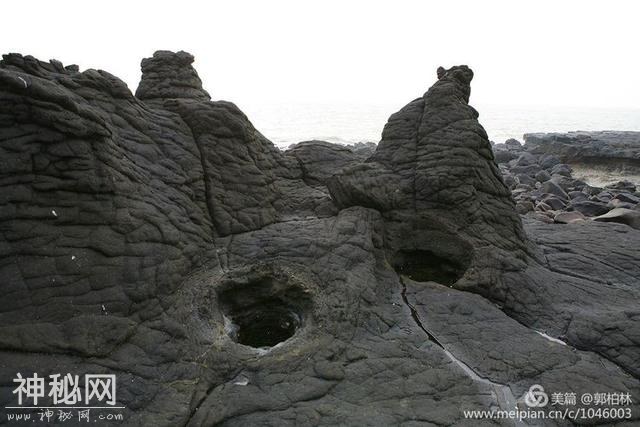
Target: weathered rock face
[(434, 179), (104, 205), (162, 238), (169, 75), (320, 160), (248, 183)]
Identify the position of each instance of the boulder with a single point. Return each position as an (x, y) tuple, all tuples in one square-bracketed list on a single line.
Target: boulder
[(561, 169), (591, 190), (521, 191), (548, 161), (513, 144), (543, 176), (604, 196), (590, 208), (525, 159), (522, 188), (554, 202), (504, 156), (623, 185), (622, 216), (568, 183), (615, 203), (525, 180), (552, 187), (577, 196), (627, 198), (530, 170), (524, 206), (542, 217), (509, 181), (569, 217), (543, 207)]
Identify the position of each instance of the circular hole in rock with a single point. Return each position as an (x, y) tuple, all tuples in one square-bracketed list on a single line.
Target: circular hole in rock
[(265, 325), (264, 312), (426, 266)]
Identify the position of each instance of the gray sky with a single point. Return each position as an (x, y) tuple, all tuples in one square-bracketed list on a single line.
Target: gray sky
[(556, 53)]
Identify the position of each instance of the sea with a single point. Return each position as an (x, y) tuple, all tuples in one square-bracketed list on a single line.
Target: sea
[(286, 124)]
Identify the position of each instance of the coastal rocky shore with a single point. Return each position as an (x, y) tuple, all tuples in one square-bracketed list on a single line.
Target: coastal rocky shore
[(540, 176), (160, 237)]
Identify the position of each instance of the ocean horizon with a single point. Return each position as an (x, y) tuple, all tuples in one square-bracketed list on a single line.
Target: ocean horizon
[(286, 124)]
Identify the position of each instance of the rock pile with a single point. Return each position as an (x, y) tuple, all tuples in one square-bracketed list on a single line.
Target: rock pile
[(544, 188)]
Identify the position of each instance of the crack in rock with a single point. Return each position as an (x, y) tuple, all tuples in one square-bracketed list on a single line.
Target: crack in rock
[(504, 395)]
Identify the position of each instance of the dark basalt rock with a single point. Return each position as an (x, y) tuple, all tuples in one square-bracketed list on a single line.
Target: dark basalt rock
[(556, 191), (586, 145), (569, 217), (623, 185), (542, 176), (513, 144), (434, 180), (608, 151), (590, 208), (320, 160), (169, 75), (264, 310), (504, 156), (622, 216), (162, 238)]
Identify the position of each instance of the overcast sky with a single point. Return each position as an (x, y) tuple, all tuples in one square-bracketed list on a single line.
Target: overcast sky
[(556, 53)]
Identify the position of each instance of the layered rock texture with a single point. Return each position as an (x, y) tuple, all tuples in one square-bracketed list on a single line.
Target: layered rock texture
[(434, 180), (162, 238)]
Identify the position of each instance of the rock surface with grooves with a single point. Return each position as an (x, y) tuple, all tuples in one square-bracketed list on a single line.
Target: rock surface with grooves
[(141, 236)]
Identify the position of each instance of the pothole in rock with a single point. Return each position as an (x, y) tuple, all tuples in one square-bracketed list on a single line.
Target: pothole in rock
[(264, 312), (264, 325), (426, 266)]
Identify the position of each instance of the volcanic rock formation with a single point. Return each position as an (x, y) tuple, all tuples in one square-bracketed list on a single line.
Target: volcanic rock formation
[(162, 238)]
